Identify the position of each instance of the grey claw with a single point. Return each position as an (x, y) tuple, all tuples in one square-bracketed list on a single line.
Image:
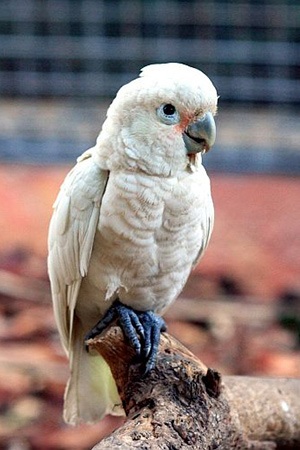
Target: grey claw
[(142, 329)]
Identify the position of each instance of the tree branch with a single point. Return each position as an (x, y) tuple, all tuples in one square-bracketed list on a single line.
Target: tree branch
[(182, 405)]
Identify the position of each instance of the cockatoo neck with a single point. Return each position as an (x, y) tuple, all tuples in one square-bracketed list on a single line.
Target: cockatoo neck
[(141, 153)]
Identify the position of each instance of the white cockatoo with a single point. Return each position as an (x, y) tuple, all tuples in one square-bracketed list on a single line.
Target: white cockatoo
[(131, 220)]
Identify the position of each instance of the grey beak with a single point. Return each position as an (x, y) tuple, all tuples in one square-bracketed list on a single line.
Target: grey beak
[(200, 135)]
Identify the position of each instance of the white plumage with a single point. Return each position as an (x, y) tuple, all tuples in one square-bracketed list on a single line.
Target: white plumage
[(131, 220)]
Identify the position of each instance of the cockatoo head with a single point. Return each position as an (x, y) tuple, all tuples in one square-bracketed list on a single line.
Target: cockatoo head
[(160, 121)]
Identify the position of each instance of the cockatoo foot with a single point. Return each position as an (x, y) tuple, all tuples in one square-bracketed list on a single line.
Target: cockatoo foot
[(142, 329), (153, 325)]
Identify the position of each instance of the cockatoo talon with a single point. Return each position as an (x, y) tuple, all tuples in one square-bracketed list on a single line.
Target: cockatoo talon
[(128, 321), (131, 325), (153, 326), (142, 329), (106, 320)]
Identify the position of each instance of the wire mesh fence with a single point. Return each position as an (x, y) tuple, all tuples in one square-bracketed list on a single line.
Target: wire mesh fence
[(90, 48)]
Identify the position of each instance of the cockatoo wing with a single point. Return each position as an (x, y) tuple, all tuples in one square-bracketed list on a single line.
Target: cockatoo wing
[(207, 224), (71, 236)]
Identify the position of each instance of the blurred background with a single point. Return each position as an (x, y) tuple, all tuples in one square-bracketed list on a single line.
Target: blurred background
[(61, 63)]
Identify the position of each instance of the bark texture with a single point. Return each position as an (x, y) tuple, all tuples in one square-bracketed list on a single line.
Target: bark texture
[(183, 405)]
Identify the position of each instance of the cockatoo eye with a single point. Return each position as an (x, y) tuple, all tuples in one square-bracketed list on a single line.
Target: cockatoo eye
[(169, 109), (168, 114)]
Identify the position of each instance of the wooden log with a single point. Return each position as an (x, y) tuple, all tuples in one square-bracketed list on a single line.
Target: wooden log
[(183, 405)]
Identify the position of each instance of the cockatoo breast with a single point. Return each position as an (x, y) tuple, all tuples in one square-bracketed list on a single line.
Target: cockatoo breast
[(149, 235)]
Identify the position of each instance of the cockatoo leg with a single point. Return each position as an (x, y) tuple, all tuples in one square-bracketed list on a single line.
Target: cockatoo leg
[(142, 329)]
